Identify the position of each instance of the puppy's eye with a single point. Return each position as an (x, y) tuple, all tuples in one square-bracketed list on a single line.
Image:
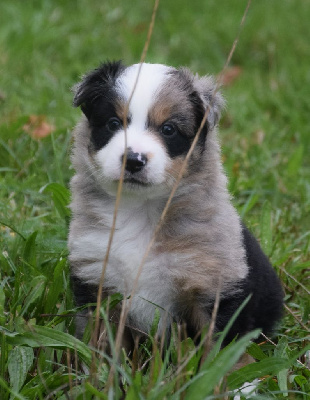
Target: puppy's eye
[(114, 124), (168, 130)]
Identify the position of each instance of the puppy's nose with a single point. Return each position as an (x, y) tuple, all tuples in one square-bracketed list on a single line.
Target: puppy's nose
[(135, 162)]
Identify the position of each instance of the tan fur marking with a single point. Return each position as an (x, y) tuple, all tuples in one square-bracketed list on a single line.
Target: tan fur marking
[(161, 111), (120, 107), (172, 100), (175, 167), (188, 302)]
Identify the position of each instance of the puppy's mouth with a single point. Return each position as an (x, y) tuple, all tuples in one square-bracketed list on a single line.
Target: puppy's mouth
[(134, 181)]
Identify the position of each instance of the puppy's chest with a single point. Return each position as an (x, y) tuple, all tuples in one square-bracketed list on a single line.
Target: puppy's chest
[(130, 243)]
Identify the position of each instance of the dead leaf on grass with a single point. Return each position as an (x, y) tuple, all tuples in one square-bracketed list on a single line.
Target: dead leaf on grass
[(230, 75), (37, 127)]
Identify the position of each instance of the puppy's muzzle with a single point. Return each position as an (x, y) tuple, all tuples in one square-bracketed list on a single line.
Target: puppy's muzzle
[(135, 162)]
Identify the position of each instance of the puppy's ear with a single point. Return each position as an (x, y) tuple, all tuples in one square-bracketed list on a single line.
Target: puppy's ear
[(95, 85), (211, 98)]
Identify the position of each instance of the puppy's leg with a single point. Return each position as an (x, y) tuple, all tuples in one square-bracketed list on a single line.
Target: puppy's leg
[(83, 294)]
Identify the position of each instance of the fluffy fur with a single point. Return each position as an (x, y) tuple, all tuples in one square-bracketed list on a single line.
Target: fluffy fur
[(202, 241)]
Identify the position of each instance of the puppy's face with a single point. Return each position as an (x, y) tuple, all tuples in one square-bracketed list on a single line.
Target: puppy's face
[(155, 118)]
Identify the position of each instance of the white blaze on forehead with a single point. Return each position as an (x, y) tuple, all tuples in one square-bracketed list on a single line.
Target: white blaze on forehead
[(151, 78)]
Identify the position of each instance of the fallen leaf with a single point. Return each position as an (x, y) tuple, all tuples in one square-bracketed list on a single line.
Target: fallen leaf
[(37, 127), (230, 75)]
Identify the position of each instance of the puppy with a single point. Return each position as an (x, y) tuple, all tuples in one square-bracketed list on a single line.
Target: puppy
[(202, 246)]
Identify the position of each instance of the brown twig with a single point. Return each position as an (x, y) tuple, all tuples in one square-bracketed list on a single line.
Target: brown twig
[(273, 343), (296, 318), (184, 164), (126, 305), (208, 339), (121, 326), (294, 279), (68, 356), (181, 172)]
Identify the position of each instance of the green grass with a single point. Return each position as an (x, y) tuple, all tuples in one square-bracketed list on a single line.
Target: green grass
[(45, 46)]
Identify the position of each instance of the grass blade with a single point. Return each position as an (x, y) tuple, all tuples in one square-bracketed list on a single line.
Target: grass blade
[(61, 198), (41, 336), (268, 366), (204, 383), (19, 362)]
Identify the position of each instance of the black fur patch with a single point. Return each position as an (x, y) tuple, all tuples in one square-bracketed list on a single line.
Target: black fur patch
[(95, 84), (97, 98), (179, 143), (199, 112), (177, 147), (182, 141), (265, 307), (83, 293), (102, 111)]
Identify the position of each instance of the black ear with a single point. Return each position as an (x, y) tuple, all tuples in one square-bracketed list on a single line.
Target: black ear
[(95, 85), (210, 97)]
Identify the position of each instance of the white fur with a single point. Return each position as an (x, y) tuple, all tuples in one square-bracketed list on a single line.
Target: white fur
[(152, 77), (134, 230)]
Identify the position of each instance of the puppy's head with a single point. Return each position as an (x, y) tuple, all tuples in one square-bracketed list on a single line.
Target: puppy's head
[(154, 116)]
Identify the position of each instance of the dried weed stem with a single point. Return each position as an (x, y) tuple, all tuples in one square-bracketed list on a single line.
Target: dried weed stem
[(127, 303)]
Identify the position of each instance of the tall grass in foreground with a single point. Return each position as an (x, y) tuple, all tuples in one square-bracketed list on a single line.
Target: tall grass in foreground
[(44, 47), (41, 359)]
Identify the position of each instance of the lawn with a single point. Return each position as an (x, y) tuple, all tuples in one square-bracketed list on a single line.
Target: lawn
[(45, 47)]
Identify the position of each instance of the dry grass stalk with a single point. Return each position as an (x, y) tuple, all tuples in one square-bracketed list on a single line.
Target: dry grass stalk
[(296, 318), (295, 280), (126, 304)]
